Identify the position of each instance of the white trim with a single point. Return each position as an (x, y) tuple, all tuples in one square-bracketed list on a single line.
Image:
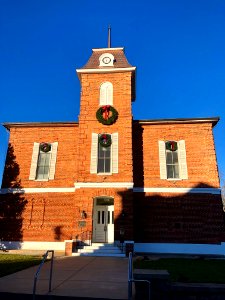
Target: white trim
[(106, 93), (176, 248), (115, 153), (101, 58), (105, 70), (104, 49), (52, 165), (37, 190), (14, 245), (162, 160), (128, 185), (34, 161), (215, 191), (94, 153)]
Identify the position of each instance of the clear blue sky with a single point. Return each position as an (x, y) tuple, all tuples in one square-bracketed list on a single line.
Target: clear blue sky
[(178, 47)]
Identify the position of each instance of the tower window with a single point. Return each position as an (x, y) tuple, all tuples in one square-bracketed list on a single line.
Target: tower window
[(104, 159), (106, 93)]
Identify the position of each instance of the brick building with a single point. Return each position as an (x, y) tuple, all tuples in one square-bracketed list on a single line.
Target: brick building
[(109, 178)]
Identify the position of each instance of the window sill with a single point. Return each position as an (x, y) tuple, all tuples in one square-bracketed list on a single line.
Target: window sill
[(174, 179), (41, 180), (104, 174)]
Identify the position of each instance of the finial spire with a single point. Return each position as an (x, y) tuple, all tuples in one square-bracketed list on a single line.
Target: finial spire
[(109, 36)]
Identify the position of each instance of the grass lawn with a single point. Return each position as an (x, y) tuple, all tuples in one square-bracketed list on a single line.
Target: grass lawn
[(187, 270), (11, 263)]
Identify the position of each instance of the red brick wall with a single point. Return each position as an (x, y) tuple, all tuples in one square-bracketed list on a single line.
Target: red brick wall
[(88, 124), (56, 216), (200, 152), (171, 218), (22, 140), (157, 218)]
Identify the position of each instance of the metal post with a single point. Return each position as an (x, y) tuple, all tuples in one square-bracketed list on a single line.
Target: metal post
[(38, 272), (130, 276), (51, 268)]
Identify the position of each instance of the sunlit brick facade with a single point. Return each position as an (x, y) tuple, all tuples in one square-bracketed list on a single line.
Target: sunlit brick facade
[(156, 182)]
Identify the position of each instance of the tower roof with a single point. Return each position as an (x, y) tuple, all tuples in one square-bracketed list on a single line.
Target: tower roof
[(120, 60), (119, 64), (108, 60)]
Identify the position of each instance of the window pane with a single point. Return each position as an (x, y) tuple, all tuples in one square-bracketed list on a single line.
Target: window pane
[(107, 165), (176, 171), (169, 157), (108, 217), (99, 217), (175, 157), (172, 164), (169, 171), (100, 166), (43, 165), (104, 159)]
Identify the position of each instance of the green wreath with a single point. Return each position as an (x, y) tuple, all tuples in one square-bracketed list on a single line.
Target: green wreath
[(107, 115), (45, 147), (171, 145), (105, 140)]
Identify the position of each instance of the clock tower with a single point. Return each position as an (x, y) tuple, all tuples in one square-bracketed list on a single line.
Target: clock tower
[(105, 167)]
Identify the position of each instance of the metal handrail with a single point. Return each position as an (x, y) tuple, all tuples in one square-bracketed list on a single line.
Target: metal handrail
[(131, 278), (38, 272)]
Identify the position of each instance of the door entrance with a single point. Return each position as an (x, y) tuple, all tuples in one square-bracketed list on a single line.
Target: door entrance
[(103, 221)]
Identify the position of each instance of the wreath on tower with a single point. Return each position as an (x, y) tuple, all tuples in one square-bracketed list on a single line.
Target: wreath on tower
[(107, 115), (171, 145), (105, 140), (45, 147)]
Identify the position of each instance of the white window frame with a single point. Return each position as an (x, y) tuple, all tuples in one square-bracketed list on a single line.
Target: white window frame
[(106, 93), (183, 172), (94, 155), (34, 161)]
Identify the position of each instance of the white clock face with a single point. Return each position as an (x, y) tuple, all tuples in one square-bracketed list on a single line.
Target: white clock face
[(106, 60)]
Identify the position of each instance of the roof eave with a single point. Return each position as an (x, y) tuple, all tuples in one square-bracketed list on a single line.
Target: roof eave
[(105, 49), (102, 71), (39, 124), (213, 120)]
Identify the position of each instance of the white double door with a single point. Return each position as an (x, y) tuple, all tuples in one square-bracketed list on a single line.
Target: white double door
[(103, 224)]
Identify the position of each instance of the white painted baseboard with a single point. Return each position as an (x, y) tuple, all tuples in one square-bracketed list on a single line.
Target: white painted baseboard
[(32, 245), (173, 248), (164, 248)]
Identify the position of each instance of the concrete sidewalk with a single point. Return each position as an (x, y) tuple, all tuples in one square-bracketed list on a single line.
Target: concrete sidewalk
[(90, 277)]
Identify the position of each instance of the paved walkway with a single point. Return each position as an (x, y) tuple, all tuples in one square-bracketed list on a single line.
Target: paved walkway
[(94, 277)]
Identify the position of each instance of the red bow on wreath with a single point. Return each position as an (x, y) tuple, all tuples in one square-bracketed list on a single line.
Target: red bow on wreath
[(105, 111), (104, 138)]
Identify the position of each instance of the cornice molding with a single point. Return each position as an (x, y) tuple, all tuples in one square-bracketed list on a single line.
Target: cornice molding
[(105, 70)]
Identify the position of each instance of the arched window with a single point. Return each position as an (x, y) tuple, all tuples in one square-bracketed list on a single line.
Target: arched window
[(106, 94)]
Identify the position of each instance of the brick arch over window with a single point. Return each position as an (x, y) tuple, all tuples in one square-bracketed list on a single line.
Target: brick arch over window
[(106, 93)]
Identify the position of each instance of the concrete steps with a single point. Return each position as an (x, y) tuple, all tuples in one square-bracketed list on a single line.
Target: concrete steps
[(99, 249)]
